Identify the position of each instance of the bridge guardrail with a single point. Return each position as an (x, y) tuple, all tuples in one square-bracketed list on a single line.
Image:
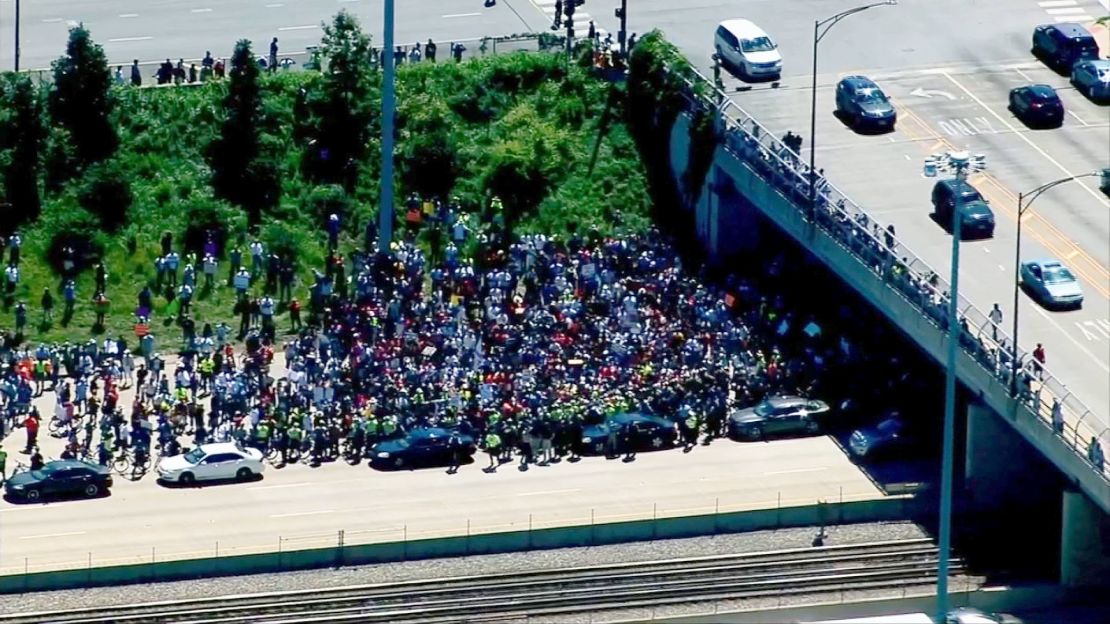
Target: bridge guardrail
[(893, 262)]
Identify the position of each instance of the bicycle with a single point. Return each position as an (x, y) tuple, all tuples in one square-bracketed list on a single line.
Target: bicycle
[(121, 464)]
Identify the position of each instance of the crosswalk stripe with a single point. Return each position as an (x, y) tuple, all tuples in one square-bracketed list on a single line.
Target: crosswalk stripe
[(1048, 4), (1082, 19), (1068, 11)]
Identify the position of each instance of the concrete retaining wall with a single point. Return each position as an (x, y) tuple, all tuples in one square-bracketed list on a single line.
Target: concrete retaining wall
[(885, 509)]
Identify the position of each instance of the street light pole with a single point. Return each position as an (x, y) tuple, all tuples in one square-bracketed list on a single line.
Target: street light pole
[(385, 209), (819, 34), (960, 163), (1024, 201)]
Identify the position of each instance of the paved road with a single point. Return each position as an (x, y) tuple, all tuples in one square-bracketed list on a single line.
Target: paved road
[(302, 507), (155, 29)]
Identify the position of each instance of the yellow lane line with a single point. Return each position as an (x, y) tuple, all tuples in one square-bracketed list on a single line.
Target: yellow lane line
[(1005, 201)]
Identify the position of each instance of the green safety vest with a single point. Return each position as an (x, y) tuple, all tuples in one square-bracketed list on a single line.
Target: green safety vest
[(493, 441), (263, 432)]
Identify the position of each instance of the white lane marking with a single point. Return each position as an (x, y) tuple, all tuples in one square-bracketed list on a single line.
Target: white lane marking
[(460, 15), (1078, 118), (1073, 340), (304, 513), (1056, 3), (277, 487), (46, 535), (1073, 18), (347, 0), (52, 20), (1022, 74), (124, 39), (549, 492), (128, 15), (200, 10), (795, 471), (306, 27), (1105, 4), (274, 5), (1071, 11), (1102, 200)]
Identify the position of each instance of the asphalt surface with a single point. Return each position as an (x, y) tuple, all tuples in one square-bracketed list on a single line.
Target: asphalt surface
[(948, 65), (301, 507), (156, 29)]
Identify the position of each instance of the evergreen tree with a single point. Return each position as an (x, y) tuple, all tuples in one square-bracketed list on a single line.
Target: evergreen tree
[(80, 100), (241, 173), (23, 137), (344, 111)]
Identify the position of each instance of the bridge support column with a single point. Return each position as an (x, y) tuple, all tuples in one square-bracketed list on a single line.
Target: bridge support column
[(1002, 469), (1084, 543)]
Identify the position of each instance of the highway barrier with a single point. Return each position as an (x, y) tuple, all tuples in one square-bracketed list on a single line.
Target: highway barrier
[(341, 553)]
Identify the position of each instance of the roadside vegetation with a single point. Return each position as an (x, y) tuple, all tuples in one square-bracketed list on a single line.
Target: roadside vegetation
[(93, 171)]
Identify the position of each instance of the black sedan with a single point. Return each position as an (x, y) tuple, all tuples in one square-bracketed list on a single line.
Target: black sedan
[(781, 415), (886, 438), (59, 478), (644, 432), (1037, 105), (428, 446), (863, 105)]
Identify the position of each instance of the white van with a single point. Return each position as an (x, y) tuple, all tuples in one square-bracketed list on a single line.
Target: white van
[(745, 47)]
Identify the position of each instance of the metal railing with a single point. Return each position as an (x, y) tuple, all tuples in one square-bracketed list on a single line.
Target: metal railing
[(891, 261)]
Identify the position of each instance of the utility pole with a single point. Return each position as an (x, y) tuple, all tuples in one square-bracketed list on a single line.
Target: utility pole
[(17, 35), (622, 35), (569, 13), (385, 208)]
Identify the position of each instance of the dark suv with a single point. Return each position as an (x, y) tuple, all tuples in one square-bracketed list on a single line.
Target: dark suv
[(976, 217), (1062, 45)]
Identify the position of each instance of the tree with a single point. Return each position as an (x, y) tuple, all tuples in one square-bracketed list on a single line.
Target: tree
[(23, 138), (344, 109), (106, 193), (241, 174), (80, 100), (428, 161)]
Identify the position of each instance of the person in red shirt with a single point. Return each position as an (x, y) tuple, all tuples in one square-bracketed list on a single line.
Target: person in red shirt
[(32, 426), (1038, 365)]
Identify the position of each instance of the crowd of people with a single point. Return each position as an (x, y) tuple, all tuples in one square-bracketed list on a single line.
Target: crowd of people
[(518, 344)]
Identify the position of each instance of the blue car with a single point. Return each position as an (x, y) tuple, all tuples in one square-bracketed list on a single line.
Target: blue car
[(648, 433), (882, 439), (429, 446), (1051, 283)]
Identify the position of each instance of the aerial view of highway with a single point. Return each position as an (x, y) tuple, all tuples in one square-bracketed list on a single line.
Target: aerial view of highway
[(565, 310)]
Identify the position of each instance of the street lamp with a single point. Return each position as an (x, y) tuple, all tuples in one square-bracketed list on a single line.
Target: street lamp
[(820, 29), (385, 210), (960, 164), (1024, 201)]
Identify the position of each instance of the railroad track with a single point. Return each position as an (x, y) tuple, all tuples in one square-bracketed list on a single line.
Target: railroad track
[(785, 572)]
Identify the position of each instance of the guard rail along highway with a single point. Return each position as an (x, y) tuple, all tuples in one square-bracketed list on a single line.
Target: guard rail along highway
[(894, 270), (888, 568)]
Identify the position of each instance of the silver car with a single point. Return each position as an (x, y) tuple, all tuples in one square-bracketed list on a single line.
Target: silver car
[(1051, 283), (1092, 78)]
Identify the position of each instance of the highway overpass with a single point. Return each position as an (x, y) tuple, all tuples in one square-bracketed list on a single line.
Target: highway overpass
[(749, 176)]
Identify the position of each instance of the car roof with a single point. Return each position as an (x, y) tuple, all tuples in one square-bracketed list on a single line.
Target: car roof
[(743, 29), (976, 206), (69, 463), (786, 399), (963, 185), (220, 447), (1045, 262), (859, 82), (1071, 30), (1042, 90), (430, 432), (632, 416)]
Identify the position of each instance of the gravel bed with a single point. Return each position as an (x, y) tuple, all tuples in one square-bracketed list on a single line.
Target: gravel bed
[(458, 566)]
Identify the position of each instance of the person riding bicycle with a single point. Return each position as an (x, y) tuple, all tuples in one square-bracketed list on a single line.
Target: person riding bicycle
[(37, 461)]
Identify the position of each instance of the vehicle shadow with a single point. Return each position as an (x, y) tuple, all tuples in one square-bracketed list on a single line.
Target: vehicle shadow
[(14, 500), (174, 485)]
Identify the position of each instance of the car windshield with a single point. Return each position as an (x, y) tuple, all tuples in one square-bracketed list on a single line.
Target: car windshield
[(1058, 275), (764, 409), (759, 44), (870, 96), (194, 456), (889, 426), (402, 443)]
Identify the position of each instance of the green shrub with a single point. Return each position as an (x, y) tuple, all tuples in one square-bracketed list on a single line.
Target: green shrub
[(205, 215), (106, 193), (72, 226)]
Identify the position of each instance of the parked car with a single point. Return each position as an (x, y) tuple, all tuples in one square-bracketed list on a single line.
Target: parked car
[(1037, 105), (969, 615), (1063, 45), (649, 433), (1092, 78), (746, 48), (1051, 283), (863, 105), (889, 435), (212, 462), (426, 446), (62, 477), (976, 217), (781, 415)]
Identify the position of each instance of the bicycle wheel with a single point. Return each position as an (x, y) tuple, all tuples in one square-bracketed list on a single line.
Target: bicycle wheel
[(121, 464)]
